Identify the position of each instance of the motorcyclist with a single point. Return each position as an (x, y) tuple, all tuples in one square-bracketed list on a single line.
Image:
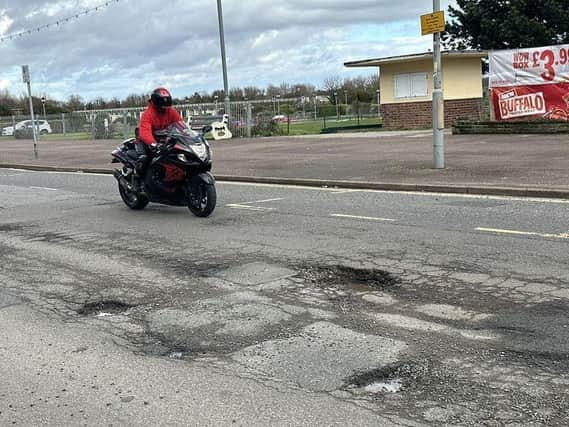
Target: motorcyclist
[(158, 116)]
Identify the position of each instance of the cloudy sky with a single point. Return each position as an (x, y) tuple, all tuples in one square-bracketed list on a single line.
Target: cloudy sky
[(135, 45)]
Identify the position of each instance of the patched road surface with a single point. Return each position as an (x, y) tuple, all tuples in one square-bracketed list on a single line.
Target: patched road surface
[(288, 306)]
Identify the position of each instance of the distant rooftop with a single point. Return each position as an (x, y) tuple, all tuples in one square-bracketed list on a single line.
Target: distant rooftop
[(375, 62)]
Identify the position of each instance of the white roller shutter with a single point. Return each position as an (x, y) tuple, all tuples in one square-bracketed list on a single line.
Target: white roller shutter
[(402, 86), (419, 85)]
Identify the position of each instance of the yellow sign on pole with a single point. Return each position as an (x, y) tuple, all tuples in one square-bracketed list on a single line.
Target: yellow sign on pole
[(432, 23)]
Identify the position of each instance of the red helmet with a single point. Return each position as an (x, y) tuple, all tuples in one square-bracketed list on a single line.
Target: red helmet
[(161, 97)]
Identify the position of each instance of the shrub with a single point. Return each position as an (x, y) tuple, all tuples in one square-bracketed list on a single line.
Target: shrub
[(265, 126)]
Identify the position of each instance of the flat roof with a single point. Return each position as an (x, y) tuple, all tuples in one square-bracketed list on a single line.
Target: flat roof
[(375, 62)]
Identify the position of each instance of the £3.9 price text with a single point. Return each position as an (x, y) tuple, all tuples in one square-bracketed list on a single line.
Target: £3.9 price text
[(546, 59)]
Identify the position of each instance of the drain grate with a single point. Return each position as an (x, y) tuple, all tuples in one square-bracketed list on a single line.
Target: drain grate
[(102, 308)]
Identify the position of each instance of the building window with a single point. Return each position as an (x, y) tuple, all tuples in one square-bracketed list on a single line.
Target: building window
[(411, 85)]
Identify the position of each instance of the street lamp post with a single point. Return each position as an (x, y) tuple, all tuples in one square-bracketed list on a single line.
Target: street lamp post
[(438, 99), (223, 58), (279, 103), (337, 110), (43, 106)]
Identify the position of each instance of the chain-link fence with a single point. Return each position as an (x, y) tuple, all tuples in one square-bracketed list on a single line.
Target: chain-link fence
[(247, 119)]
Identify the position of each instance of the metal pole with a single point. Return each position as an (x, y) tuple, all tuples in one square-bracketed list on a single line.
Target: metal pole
[(124, 128), (249, 119), (438, 100), (378, 113), (337, 111), (223, 59), (278, 104), (63, 122), (315, 110), (33, 120)]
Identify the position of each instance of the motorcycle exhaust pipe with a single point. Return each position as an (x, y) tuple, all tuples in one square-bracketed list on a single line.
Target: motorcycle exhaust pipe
[(122, 180)]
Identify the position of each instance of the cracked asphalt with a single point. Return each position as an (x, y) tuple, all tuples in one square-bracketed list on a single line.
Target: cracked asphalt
[(288, 306)]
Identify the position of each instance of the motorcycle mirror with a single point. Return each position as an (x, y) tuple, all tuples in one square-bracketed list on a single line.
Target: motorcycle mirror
[(207, 129)]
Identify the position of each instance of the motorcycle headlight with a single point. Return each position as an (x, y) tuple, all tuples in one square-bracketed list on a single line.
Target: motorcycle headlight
[(182, 157), (201, 151)]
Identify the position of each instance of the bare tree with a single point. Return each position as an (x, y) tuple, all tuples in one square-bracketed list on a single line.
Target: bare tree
[(332, 85)]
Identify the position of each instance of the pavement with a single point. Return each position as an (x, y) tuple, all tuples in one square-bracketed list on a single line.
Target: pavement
[(514, 165)]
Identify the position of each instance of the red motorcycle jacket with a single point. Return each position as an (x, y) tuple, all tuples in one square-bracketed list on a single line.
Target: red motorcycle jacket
[(153, 120)]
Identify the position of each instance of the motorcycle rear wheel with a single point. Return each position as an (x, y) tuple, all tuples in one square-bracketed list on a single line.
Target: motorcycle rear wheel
[(202, 200), (132, 200)]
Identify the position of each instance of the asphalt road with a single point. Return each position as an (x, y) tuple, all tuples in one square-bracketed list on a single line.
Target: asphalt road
[(288, 306)]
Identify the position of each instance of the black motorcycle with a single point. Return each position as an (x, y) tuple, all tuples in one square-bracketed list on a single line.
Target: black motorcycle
[(177, 174)]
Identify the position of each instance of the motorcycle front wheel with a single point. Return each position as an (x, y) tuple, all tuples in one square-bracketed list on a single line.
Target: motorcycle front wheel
[(132, 200), (202, 199)]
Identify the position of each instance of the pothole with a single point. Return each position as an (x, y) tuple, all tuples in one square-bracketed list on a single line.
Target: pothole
[(388, 379), (347, 277), (103, 308)]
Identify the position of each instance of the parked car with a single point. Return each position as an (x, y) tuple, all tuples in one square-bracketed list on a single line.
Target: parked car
[(279, 118), (42, 125)]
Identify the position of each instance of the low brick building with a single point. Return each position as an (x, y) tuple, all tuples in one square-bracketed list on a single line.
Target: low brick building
[(406, 87)]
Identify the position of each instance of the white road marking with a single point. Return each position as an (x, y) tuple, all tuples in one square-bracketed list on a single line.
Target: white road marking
[(262, 201), (248, 208), (247, 205), (524, 233), (44, 188), (363, 217)]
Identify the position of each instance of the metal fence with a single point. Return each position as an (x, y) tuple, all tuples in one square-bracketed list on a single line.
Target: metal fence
[(247, 119)]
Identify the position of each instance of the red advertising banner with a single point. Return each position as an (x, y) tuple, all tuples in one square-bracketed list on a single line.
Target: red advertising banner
[(549, 101), (530, 83)]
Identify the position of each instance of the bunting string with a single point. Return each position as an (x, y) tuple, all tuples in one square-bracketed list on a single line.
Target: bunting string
[(61, 21)]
